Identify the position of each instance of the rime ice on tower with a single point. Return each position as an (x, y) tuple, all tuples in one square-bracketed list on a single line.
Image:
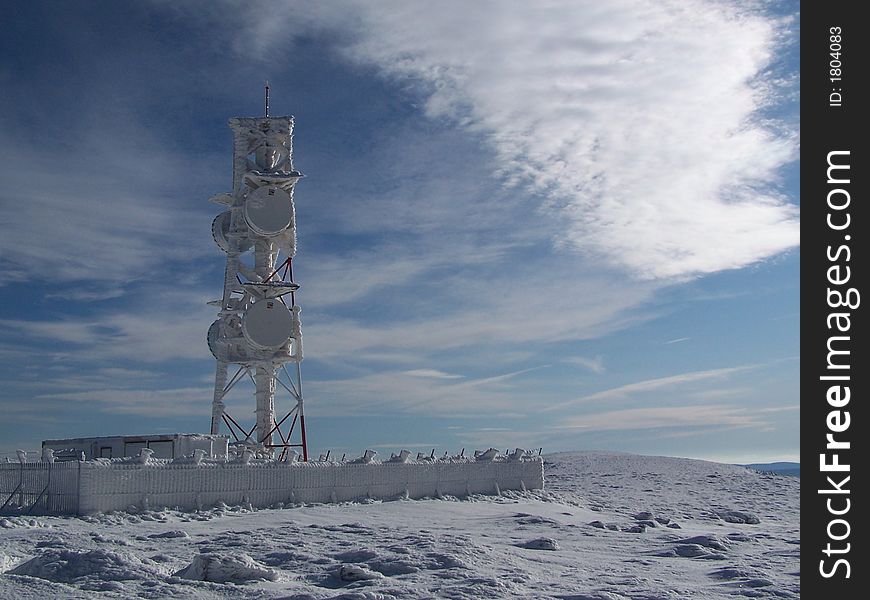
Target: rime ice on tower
[(258, 327)]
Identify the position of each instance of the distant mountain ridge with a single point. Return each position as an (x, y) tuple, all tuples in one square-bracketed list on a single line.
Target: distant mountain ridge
[(780, 468)]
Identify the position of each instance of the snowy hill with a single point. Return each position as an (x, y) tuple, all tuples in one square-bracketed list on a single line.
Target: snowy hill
[(607, 527)]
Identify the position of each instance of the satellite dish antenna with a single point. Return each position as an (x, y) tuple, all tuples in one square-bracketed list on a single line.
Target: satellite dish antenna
[(218, 350), (268, 324), (268, 210), (220, 229)]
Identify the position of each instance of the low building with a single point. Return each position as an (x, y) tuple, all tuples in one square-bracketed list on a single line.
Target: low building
[(169, 445)]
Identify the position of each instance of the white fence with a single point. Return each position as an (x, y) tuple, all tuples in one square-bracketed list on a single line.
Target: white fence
[(40, 488), (94, 486)]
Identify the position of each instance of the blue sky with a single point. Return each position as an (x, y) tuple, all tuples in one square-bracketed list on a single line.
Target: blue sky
[(567, 224)]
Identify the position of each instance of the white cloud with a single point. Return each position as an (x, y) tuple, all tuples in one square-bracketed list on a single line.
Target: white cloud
[(635, 120)]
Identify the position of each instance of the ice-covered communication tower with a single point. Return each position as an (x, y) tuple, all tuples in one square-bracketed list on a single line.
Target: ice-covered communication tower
[(258, 326)]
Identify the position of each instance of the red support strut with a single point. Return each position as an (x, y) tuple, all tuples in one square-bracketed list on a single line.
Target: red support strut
[(304, 440)]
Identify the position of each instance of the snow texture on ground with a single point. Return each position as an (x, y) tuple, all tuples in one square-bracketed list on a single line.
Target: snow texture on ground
[(607, 527)]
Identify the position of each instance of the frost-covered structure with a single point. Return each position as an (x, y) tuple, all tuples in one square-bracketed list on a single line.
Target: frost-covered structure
[(169, 445), (194, 482), (258, 326)]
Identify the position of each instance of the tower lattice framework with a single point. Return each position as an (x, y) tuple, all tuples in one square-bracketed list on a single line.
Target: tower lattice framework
[(258, 331)]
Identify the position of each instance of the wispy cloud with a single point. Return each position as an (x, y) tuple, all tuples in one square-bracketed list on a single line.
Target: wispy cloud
[(659, 383), (105, 216), (492, 307), (666, 417), (596, 365), (144, 331), (148, 402), (432, 373), (395, 392), (642, 134)]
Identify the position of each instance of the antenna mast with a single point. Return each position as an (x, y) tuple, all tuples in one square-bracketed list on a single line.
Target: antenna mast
[(257, 329)]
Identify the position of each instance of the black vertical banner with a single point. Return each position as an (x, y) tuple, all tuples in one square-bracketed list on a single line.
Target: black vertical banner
[(834, 225)]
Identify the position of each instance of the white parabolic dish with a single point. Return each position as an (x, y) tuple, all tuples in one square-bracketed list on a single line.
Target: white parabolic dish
[(269, 210), (220, 229), (267, 324)]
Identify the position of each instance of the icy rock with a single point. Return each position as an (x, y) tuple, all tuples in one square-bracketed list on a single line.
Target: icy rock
[(597, 524), (708, 541), (693, 551), (736, 516), (728, 573), (176, 533), (639, 528), (673, 525), (392, 566), (357, 573), (643, 516), (690, 551), (68, 566), (527, 519), (226, 569), (543, 543)]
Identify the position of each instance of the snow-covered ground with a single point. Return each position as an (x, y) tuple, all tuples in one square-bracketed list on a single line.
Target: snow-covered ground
[(608, 526)]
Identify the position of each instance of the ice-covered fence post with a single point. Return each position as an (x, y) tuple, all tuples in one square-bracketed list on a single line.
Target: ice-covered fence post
[(366, 458), (144, 455)]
